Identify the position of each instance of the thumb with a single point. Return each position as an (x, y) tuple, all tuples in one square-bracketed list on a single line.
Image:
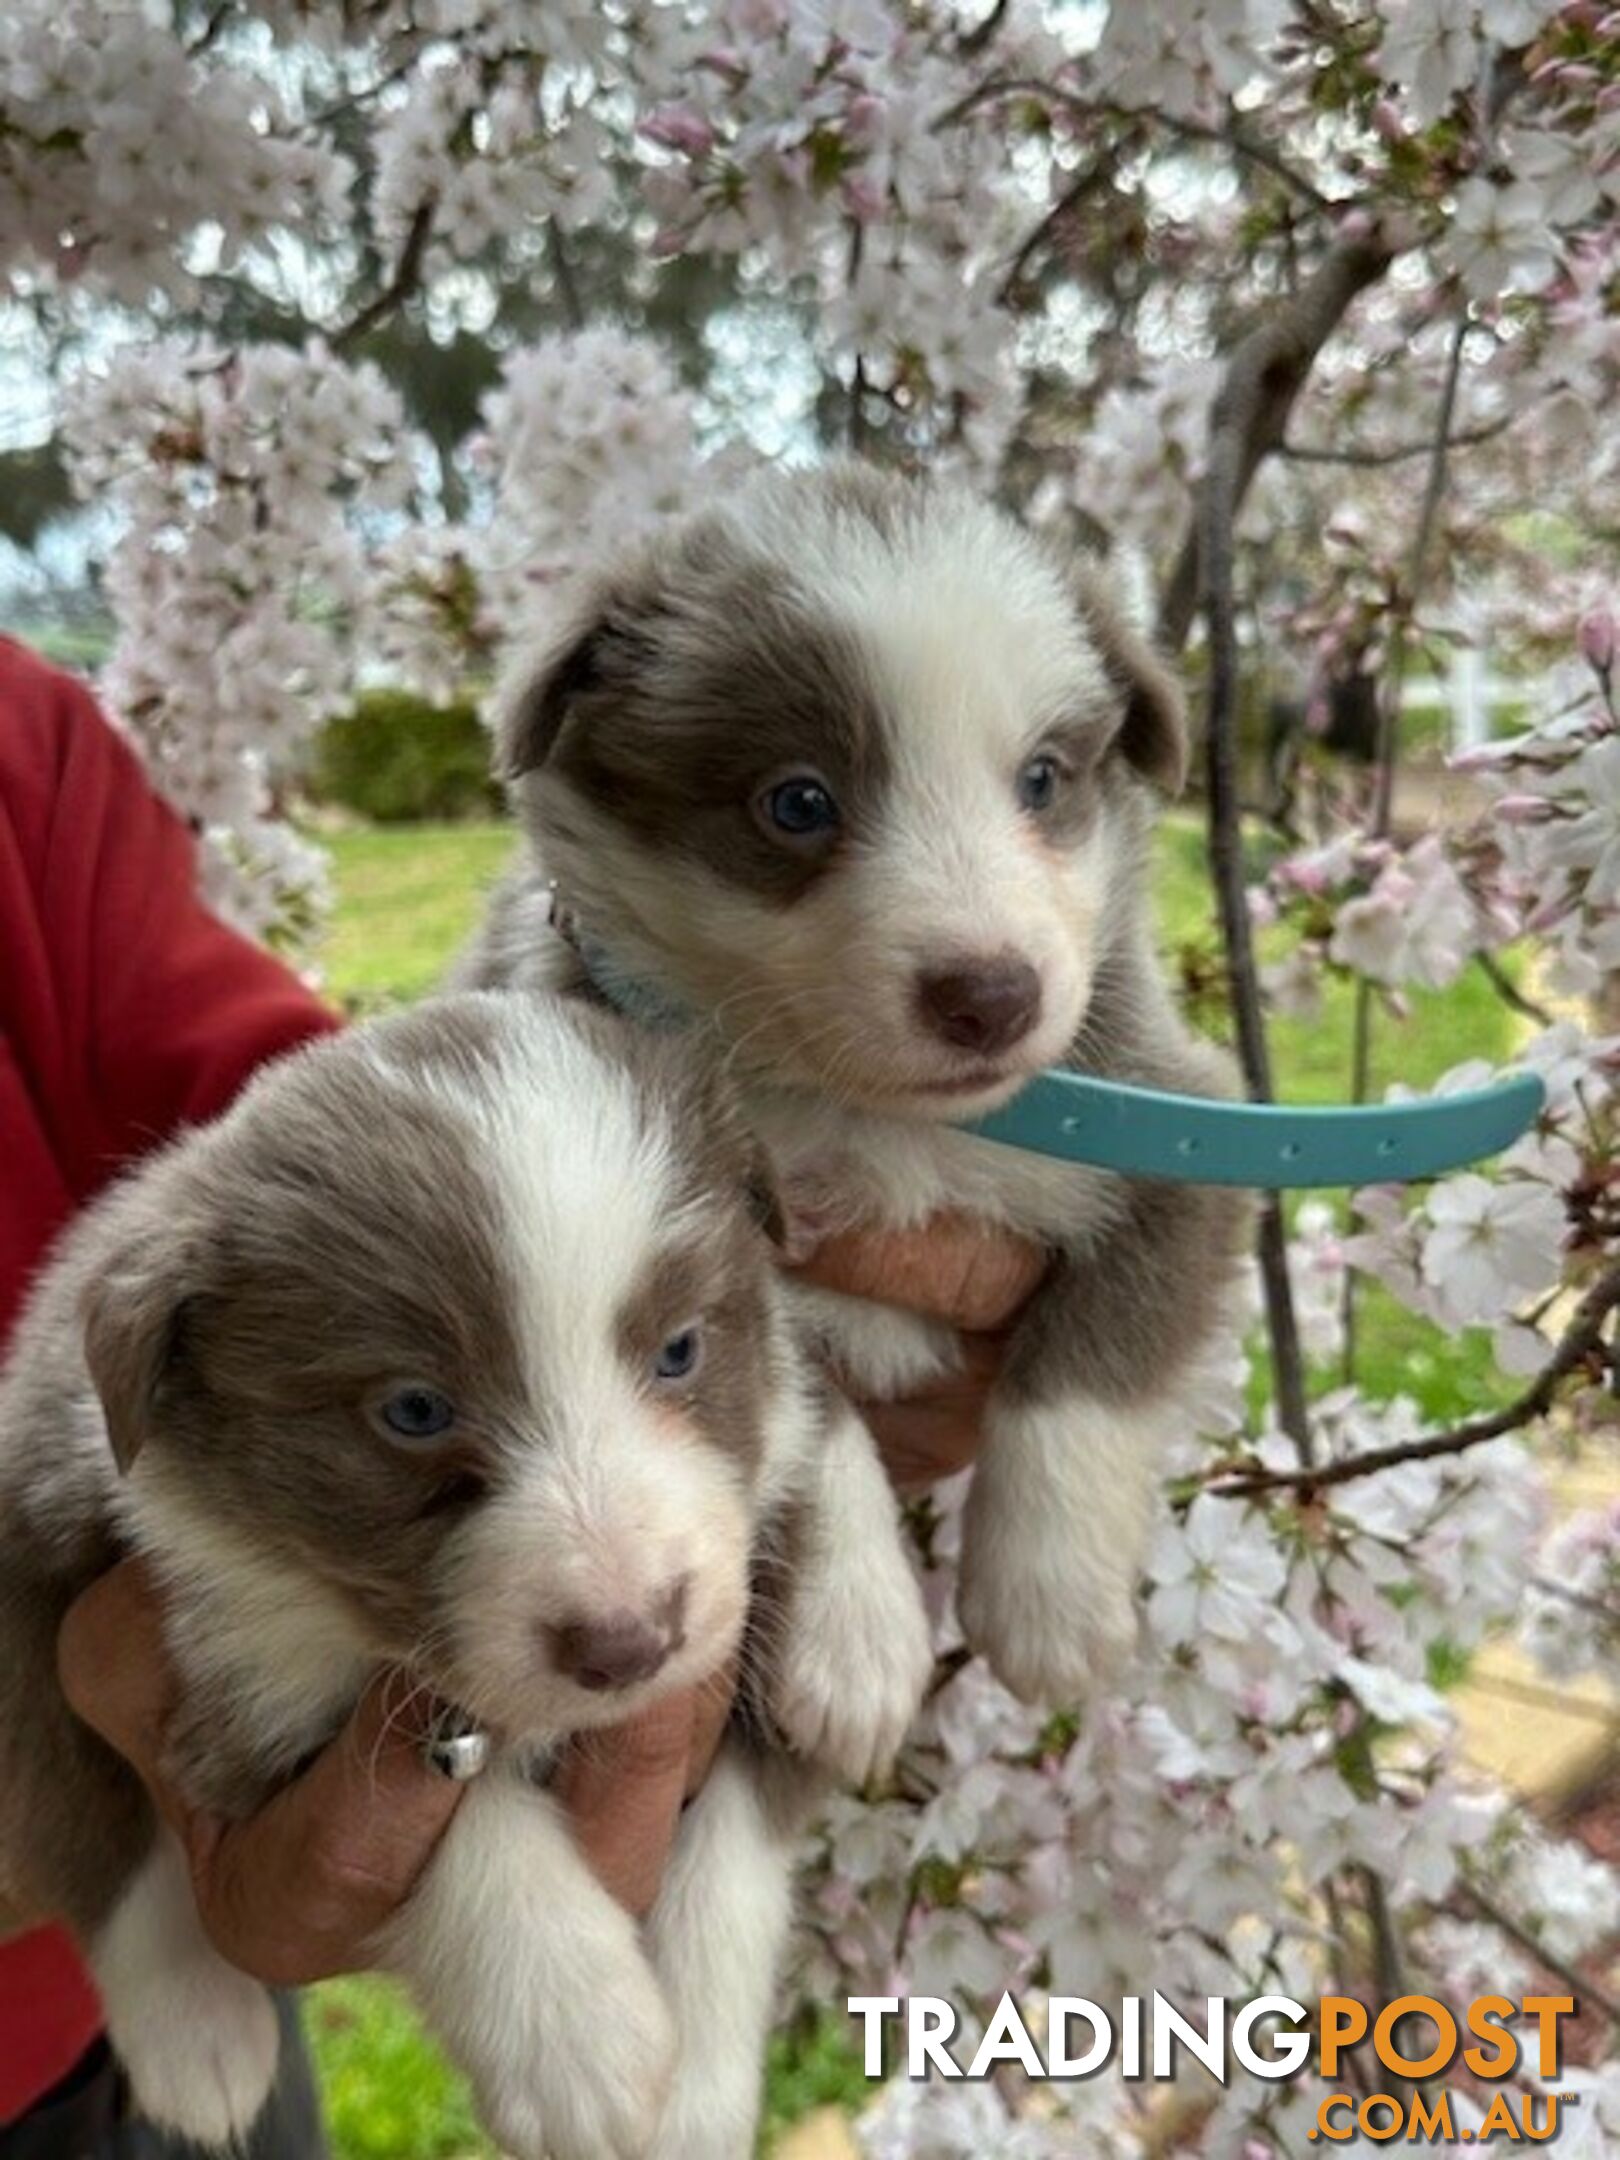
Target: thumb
[(113, 1666), (370, 1808), (299, 1890), (623, 1789)]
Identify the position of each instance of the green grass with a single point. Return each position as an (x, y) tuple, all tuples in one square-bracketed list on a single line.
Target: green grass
[(407, 897), (1312, 1056), (1398, 1353), (388, 2093)]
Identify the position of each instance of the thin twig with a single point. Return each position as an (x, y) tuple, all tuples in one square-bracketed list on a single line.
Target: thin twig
[(1396, 453), (1516, 1932), (973, 42), (354, 99), (1086, 182), (562, 272), (1229, 135), (1580, 1599), (1388, 746), (858, 430), (1387, 1958), (1509, 992), (206, 36), (1434, 489), (407, 275), (1582, 1340)]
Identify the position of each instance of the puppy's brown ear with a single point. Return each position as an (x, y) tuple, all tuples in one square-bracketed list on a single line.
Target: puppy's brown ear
[(599, 649), (1153, 732), (134, 1314), (530, 721)]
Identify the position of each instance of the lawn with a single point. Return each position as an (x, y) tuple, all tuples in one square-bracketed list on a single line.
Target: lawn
[(407, 896), (406, 899)]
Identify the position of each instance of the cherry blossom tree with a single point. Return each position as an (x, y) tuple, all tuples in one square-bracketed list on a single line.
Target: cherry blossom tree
[(1305, 313)]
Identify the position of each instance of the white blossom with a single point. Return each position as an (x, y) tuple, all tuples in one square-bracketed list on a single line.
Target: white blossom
[(1498, 238), (1213, 1575)]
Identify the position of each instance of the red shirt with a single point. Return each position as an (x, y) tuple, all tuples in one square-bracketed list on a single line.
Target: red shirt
[(126, 1011)]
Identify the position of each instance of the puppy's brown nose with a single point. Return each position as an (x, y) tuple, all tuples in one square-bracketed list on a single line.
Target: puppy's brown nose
[(981, 1005), (622, 1648)]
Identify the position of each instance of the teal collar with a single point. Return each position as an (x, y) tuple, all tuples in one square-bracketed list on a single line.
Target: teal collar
[(1194, 1141), (1190, 1139)]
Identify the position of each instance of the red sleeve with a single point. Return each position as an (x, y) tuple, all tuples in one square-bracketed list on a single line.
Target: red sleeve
[(126, 1010), (129, 1008)]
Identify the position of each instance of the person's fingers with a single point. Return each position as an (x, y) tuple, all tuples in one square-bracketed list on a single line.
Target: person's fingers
[(624, 1787), (937, 1431), (299, 1891), (114, 1669), (710, 1714), (969, 1273), (295, 1892)]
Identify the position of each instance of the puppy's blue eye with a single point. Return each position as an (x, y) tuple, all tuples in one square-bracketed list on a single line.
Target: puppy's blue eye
[(417, 1413), (1038, 782), (801, 807), (678, 1359)]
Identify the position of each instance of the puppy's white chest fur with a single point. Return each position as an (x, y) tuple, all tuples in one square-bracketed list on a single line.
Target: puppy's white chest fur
[(843, 1170), (858, 1169)]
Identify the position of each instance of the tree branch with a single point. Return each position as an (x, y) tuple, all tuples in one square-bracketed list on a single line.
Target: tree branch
[(858, 429), (1231, 424), (354, 99), (973, 42), (1249, 416), (1389, 718), (215, 23), (1264, 376), (562, 272), (407, 276), (1581, 1341), (1509, 992), (1397, 453), (1387, 748), (1516, 1932), (1229, 135), (1085, 182), (1599, 1610)]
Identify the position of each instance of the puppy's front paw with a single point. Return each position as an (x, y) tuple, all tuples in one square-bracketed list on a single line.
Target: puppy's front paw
[(197, 2038), (1052, 1633), (1053, 1532), (199, 2043), (855, 1659), (587, 2078)]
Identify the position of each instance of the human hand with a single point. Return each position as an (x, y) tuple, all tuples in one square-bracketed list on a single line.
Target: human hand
[(299, 1891), (970, 1274)]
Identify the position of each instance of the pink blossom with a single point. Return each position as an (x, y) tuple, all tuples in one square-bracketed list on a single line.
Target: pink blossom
[(679, 128), (1596, 639)]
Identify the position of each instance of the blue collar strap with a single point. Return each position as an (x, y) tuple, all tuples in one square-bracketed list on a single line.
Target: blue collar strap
[(1193, 1141), (1189, 1139)]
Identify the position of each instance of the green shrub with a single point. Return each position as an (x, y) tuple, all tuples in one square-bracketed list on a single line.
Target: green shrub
[(396, 759)]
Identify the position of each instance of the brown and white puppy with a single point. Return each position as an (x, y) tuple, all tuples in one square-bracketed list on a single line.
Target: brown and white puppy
[(456, 1345), (856, 777)]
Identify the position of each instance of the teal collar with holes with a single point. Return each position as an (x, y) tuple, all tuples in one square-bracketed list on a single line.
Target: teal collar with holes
[(1191, 1139)]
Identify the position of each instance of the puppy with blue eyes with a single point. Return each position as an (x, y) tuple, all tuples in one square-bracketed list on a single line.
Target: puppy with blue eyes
[(456, 1345), (852, 779)]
